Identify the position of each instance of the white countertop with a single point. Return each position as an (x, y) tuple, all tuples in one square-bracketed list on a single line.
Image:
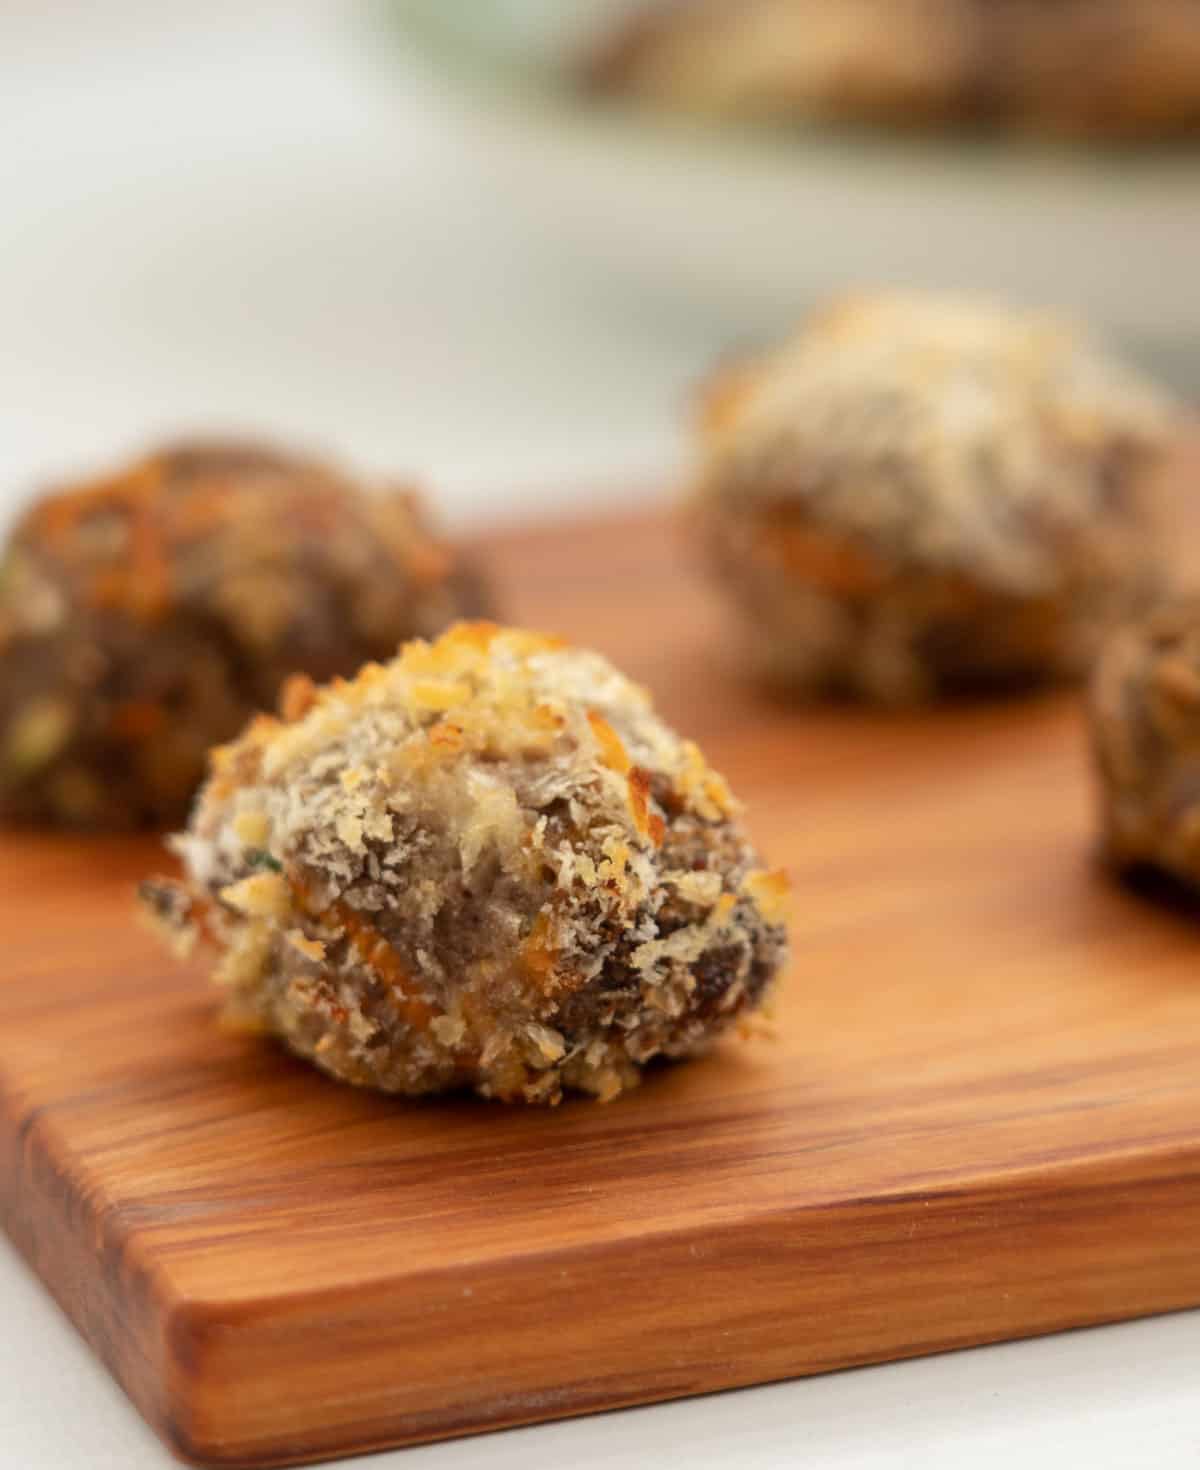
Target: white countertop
[(1112, 1398), (249, 217)]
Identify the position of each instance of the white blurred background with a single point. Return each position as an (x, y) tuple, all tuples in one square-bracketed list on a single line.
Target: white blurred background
[(279, 217), (261, 217)]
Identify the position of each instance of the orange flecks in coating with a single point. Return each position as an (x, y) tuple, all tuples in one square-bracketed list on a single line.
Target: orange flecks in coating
[(822, 559), (58, 517), (200, 515), (612, 752), (538, 955), (150, 573), (648, 823), (140, 583), (373, 950), (616, 758), (297, 697)]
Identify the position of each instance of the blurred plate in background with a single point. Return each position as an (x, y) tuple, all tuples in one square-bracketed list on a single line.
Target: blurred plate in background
[(744, 226)]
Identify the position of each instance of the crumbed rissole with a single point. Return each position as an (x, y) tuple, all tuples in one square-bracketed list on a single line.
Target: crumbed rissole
[(1104, 68), (485, 864), (1144, 710), (917, 494), (147, 616)]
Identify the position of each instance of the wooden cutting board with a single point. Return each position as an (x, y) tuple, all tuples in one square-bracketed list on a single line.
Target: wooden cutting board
[(980, 1120)]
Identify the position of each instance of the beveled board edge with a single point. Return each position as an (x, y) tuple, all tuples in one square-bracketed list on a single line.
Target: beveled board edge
[(579, 1329), (87, 1259)]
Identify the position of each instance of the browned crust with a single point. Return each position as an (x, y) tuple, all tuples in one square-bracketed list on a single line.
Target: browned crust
[(146, 615), (484, 863)]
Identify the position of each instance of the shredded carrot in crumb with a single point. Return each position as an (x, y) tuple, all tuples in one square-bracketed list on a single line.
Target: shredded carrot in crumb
[(297, 697), (142, 582), (616, 758), (839, 567), (538, 956), (612, 752), (200, 515), (149, 573), (58, 517), (648, 823), (374, 951)]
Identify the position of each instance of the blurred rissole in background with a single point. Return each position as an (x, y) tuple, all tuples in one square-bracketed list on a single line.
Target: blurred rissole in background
[(1044, 152), (1089, 68)]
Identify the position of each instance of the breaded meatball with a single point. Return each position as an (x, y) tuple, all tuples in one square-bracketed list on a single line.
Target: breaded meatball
[(485, 864), (1092, 68), (918, 494), (147, 616), (1144, 710), (896, 61)]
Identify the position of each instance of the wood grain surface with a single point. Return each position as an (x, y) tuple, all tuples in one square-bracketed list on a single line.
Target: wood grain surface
[(980, 1120)]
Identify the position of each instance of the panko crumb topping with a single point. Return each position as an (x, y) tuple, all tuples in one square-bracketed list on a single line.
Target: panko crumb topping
[(917, 489), (947, 428), (485, 863), (145, 615)]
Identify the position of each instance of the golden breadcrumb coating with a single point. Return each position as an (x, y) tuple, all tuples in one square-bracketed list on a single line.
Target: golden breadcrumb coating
[(146, 616), (921, 493), (1144, 710), (488, 864)]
